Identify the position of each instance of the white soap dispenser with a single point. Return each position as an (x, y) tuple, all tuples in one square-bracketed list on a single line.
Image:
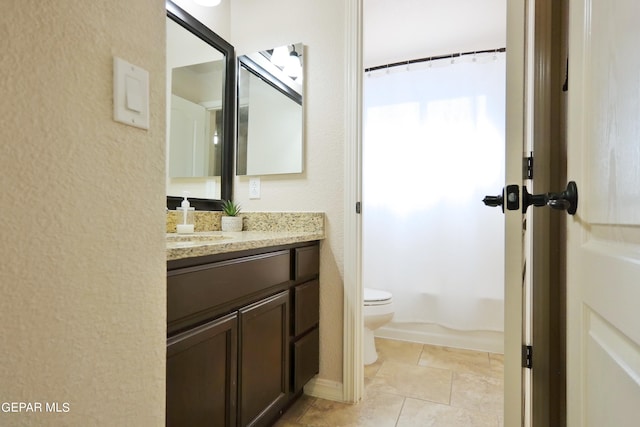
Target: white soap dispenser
[(187, 226)]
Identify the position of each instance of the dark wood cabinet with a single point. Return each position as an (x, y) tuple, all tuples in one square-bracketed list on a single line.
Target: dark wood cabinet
[(263, 381), (201, 375), (243, 335), (305, 334)]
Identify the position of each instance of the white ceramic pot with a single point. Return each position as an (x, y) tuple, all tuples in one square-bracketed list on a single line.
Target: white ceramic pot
[(231, 223)]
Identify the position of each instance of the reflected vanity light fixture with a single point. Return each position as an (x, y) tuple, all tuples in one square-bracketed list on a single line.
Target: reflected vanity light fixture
[(279, 56), (207, 3), (289, 62), (292, 66)]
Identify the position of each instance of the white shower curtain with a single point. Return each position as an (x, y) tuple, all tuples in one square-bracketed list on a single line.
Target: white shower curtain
[(433, 148)]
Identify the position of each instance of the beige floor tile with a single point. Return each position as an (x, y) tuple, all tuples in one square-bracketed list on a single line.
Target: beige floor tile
[(376, 410), (419, 413), (477, 392), (455, 359), (496, 358), (398, 351), (496, 361), (415, 385), (420, 382), (371, 370)]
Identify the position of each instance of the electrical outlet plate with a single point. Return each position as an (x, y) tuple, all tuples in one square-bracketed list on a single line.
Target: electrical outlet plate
[(254, 188)]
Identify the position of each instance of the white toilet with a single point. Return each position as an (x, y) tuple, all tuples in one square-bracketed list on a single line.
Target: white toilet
[(377, 311)]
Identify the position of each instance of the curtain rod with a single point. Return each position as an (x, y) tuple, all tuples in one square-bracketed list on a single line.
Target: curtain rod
[(433, 58)]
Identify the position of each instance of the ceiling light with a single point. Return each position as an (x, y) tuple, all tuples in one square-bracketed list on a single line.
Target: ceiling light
[(207, 3)]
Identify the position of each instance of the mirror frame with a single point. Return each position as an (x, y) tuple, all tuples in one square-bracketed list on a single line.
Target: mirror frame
[(257, 70), (228, 139)]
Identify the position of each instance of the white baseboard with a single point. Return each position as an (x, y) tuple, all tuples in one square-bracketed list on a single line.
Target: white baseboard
[(325, 389), (492, 342)]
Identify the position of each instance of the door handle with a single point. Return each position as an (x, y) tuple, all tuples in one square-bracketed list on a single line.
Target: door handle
[(566, 200)]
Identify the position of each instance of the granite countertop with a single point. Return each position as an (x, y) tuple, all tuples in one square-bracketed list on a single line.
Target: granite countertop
[(216, 242)]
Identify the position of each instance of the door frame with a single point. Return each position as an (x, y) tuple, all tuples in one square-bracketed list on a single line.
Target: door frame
[(518, 24), (353, 323), (353, 371)]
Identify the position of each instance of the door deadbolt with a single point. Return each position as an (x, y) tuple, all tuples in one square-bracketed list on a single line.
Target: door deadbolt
[(512, 193)]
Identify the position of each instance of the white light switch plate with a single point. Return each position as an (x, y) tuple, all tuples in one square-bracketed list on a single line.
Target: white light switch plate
[(254, 188), (130, 94)]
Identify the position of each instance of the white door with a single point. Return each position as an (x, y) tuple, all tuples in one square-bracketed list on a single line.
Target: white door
[(189, 152), (603, 271)]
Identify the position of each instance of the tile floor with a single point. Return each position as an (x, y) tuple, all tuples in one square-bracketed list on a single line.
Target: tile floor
[(415, 385)]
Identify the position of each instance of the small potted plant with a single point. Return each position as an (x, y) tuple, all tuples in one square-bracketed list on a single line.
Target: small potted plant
[(230, 219)]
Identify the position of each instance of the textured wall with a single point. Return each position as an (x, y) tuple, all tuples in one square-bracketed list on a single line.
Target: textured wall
[(320, 26), (82, 276)]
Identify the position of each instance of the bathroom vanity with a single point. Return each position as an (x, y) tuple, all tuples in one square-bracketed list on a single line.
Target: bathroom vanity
[(242, 330)]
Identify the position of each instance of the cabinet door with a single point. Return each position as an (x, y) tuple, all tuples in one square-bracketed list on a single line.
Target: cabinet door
[(201, 375), (264, 360)]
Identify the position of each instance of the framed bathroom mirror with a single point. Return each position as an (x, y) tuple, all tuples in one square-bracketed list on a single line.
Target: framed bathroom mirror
[(270, 112), (200, 102)]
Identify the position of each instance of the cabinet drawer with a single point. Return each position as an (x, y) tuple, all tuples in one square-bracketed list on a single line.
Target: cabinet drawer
[(306, 359), (306, 306), (195, 290), (307, 262)]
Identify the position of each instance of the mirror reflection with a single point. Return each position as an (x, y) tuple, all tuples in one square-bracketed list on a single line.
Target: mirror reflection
[(195, 70), (270, 112)]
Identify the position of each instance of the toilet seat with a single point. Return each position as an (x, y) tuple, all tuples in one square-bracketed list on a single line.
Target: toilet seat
[(376, 297)]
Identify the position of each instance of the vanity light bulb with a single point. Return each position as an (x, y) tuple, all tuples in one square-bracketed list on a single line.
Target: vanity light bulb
[(292, 67), (279, 56), (215, 138)]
